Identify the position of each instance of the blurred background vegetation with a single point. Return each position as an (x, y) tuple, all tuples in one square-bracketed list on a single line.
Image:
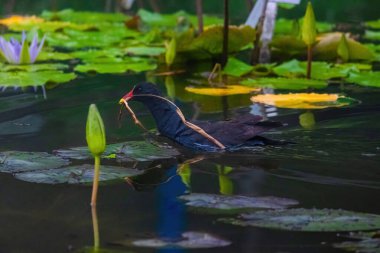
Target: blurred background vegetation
[(326, 10)]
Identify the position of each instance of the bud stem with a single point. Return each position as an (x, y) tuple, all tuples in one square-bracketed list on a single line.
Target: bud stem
[(309, 60), (95, 181)]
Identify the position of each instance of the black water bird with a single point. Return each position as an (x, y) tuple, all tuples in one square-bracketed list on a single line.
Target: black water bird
[(231, 134)]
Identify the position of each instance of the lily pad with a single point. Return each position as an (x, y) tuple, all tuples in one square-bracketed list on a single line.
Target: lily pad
[(233, 204), (125, 151), (145, 51), (222, 91), (366, 242), (18, 161), (33, 67), (53, 55), (285, 83), (77, 174), (83, 16), (311, 220), (371, 79), (190, 240), (303, 100), (117, 67), (24, 79), (235, 67)]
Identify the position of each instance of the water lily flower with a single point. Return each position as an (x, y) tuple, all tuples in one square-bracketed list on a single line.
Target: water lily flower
[(16, 52)]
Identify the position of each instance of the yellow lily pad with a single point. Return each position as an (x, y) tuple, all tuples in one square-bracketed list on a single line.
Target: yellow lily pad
[(16, 19), (303, 100), (222, 91)]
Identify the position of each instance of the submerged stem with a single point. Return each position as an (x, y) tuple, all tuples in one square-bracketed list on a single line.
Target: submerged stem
[(95, 183), (95, 226), (309, 61)]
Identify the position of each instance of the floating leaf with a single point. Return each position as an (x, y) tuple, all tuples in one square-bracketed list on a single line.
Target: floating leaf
[(235, 203), (33, 67), (190, 240), (20, 20), (326, 48), (311, 220), (39, 78), (83, 16), (235, 67), (285, 83), (53, 55), (211, 40), (78, 174), (117, 67), (145, 51), (125, 151), (18, 161), (222, 91), (303, 100), (366, 242), (371, 79)]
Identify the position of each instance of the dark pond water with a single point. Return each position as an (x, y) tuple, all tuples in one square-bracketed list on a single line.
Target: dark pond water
[(335, 165)]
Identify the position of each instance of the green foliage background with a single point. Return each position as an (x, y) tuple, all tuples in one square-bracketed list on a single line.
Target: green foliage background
[(326, 10)]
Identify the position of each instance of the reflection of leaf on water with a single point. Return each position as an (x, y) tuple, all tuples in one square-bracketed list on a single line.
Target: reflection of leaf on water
[(303, 100), (18, 161), (78, 174), (285, 83), (213, 203), (190, 240), (311, 220)]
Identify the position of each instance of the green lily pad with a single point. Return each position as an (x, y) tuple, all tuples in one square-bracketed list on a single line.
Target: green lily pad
[(125, 151), (372, 35), (83, 16), (366, 242), (48, 26), (71, 38), (371, 79), (24, 79), (18, 161), (53, 55), (320, 70), (145, 51), (190, 240), (311, 220), (211, 40), (92, 55), (137, 65), (235, 67), (77, 174), (285, 83), (33, 67), (233, 203)]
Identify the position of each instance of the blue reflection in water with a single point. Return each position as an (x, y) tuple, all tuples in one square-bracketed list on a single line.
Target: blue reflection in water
[(171, 211)]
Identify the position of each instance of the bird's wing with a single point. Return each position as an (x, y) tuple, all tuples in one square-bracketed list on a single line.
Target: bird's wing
[(238, 130)]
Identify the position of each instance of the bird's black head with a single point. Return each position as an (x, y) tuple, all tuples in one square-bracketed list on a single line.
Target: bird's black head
[(138, 92)]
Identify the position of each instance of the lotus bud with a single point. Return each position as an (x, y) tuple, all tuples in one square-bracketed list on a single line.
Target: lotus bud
[(309, 30), (171, 49), (95, 133)]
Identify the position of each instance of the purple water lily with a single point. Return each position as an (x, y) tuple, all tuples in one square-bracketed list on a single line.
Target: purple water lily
[(15, 52)]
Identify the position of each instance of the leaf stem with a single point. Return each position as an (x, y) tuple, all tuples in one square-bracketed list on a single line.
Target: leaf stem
[(198, 6), (309, 61), (95, 183), (95, 226)]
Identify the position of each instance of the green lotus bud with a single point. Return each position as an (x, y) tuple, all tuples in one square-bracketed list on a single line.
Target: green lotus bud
[(170, 54), (343, 50), (309, 30), (95, 133)]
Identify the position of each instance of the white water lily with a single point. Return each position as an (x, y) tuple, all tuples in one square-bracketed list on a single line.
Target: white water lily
[(16, 52)]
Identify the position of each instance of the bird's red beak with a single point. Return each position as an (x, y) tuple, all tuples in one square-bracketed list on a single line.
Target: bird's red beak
[(126, 97)]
